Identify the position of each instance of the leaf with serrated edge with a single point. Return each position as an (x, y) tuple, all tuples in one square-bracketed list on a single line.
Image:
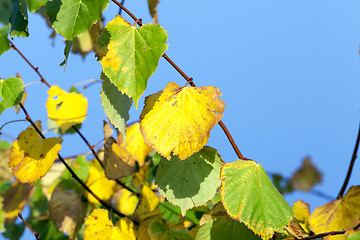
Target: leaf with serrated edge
[(19, 19), (188, 113), (338, 214), (72, 17), (249, 196), (190, 182), (132, 54), (34, 5), (11, 91), (116, 104), (31, 157)]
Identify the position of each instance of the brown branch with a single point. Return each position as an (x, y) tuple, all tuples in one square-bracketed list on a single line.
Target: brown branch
[(73, 174), (189, 81), (347, 178), (332, 233), (35, 233)]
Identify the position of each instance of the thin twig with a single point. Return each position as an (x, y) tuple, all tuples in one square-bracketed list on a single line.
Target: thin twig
[(189, 80), (13, 121), (73, 174), (35, 233), (332, 233), (347, 178)]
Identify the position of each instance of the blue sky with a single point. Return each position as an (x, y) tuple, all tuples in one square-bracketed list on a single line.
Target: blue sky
[(288, 70)]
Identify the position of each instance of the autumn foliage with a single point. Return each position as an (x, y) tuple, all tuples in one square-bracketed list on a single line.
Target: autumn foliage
[(153, 179)]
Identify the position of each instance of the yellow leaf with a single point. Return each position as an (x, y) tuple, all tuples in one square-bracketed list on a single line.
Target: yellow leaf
[(337, 215), (179, 119), (31, 157), (135, 143), (118, 162), (15, 198), (99, 227), (148, 204), (99, 184), (66, 109), (302, 213), (126, 201), (127, 228)]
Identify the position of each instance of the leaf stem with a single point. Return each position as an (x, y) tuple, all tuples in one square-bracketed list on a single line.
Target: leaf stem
[(189, 81), (73, 174), (347, 178), (35, 233)]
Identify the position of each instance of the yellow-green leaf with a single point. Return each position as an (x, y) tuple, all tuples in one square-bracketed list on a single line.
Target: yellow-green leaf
[(66, 109), (179, 119), (126, 201), (337, 215), (31, 157), (127, 228), (306, 176), (302, 213)]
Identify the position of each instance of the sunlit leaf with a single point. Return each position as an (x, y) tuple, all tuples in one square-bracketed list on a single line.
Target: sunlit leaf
[(153, 9), (127, 228), (126, 201), (338, 214), (249, 196), (134, 143), (118, 162), (67, 49), (34, 5), (302, 213), (66, 109), (218, 225), (116, 104), (132, 54), (188, 113), (14, 200), (99, 227), (67, 211), (19, 19), (99, 184), (4, 41), (147, 206), (11, 91), (31, 157), (73, 17), (306, 176), (190, 182)]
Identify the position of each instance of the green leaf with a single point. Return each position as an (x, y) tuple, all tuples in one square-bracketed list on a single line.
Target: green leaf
[(190, 182), (249, 196), (218, 225), (34, 5), (116, 104), (46, 229), (81, 168), (19, 19), (11, 91), (73, 17), (5, 10), (132, 54), (157, 230), (4, 41), (14, 231), (66, 53)]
